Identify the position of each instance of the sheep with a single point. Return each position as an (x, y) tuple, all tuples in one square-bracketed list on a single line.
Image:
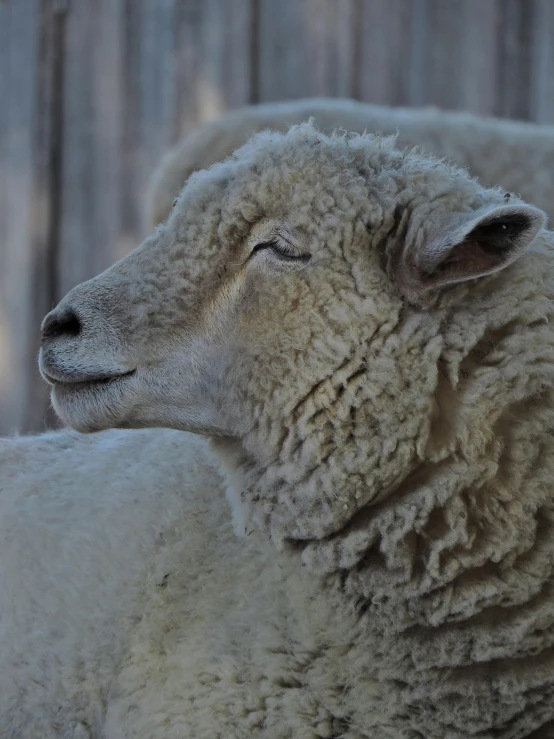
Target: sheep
[(78, 530), (364, 337), (518, 156)]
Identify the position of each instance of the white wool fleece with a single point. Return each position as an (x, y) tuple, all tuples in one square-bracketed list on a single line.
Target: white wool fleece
[(365, 335), (515, 155)]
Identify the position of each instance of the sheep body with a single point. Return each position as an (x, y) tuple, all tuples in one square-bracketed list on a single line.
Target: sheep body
[(98, 529), (81, 519), (387, 453), (517, 156)]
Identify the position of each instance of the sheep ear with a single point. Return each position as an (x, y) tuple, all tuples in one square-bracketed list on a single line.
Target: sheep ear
[(478, 247)]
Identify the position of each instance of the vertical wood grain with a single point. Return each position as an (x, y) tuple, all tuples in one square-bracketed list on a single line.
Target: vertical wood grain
[(329, 46), (513, 98), (18, 53), (47, 200), (213, 57), (384, 63), (282, 68), (90, 213), (26, 32), (93, 91), (306, 48), (453, 54), (477, 67), (542, 61)]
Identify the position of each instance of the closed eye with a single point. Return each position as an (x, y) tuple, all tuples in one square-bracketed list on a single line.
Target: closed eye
[(281, 250)]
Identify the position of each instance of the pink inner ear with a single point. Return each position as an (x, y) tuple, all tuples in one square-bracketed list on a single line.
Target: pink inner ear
[(467, 258), (486, 244)]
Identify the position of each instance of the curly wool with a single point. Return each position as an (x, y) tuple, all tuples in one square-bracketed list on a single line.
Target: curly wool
[(392, 483), (517, 156)]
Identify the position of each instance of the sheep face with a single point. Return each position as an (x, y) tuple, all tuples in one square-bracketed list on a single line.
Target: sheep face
[(292, 302)]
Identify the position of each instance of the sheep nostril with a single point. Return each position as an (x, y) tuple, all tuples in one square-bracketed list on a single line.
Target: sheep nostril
[(64, 323)]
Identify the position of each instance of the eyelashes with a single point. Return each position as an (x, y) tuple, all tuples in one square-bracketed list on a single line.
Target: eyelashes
[(282, 251)]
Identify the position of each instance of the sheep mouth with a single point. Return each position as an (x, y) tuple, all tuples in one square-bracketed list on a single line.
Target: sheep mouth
[(93, 382), (96, 403)]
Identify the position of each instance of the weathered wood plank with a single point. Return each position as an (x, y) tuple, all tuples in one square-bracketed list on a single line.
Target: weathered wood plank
[(212, 65), (513, 99), (23, 212), (330, 46), (186, 61), (46, 217), (417, 50), (542, 61), (90, 213), (16, 166), (150, 93), (383, 64), (478, 58), (4, 118), (444, 62), (306, 48), (452, 56), (282, 66)]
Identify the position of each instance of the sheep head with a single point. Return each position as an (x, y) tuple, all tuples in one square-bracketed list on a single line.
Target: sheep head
[(292, 308)]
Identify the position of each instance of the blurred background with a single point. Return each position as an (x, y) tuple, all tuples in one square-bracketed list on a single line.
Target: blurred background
[(92, 92)]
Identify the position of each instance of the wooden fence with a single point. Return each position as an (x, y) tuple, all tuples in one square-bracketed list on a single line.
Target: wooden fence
[(93, 91)]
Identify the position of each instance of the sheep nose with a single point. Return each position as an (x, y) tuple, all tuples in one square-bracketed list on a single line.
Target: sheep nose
[(60, 322)]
